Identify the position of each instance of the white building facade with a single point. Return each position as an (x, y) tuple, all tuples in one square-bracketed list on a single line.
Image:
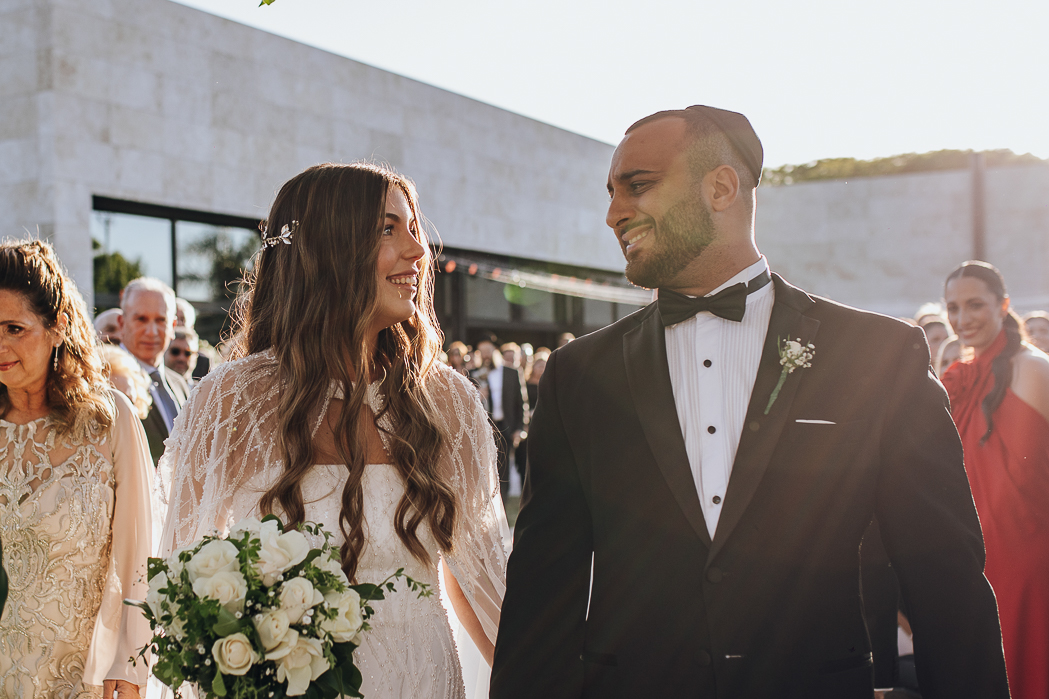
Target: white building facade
[(153, 130)]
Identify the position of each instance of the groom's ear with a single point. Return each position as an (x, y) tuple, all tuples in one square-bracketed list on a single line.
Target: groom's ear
[(722, 185)]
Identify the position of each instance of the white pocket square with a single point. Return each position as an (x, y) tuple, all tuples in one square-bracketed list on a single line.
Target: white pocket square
[(816, 422)]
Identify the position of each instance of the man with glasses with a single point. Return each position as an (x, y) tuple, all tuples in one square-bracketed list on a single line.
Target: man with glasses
[(182, 353)]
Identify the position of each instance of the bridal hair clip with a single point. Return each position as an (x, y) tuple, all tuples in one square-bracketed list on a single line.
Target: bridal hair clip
[(286, 232)]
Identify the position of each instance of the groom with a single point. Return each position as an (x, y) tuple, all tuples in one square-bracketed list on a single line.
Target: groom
[(698, 489)]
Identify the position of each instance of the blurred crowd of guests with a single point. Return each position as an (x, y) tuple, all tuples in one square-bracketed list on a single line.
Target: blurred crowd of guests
[(946, 347), (507, 377)]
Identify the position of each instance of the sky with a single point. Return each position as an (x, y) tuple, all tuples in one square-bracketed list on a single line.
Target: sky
[(817, 79)]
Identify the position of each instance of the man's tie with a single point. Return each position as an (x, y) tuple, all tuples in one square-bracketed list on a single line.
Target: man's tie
[(729, 303), (168, 407)]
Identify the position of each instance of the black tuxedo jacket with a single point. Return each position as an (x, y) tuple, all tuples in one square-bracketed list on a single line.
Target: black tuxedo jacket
[(153, 423), (771, 607)]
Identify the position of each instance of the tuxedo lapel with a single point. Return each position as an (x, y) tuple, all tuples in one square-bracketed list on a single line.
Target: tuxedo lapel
[(648, 375), (761, 432)]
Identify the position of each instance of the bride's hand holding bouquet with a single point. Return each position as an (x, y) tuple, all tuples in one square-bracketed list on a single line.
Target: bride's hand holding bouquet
[(260, 613)]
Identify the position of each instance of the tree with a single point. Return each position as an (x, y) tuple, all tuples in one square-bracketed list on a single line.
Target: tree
[(112, 270), (845, 168), (228, 263)]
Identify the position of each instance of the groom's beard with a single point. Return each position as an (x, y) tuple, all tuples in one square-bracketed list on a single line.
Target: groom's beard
[(681, 236)]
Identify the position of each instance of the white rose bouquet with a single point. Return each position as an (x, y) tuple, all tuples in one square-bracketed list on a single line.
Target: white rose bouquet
[(261, 614)]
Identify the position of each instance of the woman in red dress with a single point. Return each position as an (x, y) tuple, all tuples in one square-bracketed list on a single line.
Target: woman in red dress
[(1000, 402)]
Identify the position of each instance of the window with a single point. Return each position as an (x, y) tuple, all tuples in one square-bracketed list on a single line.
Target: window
[(201, 256)]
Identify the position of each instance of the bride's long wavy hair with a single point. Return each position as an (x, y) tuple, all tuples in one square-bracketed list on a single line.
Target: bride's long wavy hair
[(312, 302)]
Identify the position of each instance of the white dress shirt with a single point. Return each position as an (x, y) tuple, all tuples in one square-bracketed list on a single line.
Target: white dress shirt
[(713, 364), (495, 392)]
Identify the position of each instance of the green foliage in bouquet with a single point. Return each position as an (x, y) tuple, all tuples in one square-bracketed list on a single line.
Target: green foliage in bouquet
[(260, 614)]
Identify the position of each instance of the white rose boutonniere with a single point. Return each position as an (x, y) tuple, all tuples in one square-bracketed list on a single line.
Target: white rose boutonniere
[(792, 355)]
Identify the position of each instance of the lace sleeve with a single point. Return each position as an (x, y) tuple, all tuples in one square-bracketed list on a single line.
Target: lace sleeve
[(479, 550), (218, 442)]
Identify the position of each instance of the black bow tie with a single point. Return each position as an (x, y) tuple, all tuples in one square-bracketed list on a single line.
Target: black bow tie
[(729, 303)]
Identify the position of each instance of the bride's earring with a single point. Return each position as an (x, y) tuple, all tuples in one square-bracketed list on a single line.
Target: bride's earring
[(54, 364)]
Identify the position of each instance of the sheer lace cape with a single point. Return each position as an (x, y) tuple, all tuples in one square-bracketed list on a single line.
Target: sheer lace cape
[(226, 434)]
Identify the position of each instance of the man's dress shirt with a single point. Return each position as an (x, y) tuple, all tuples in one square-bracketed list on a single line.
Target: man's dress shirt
[(713, 364), (495, 393)]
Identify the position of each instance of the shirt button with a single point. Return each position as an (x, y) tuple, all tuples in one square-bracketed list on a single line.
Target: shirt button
[(707, 362), (717, 499), (712, 429)]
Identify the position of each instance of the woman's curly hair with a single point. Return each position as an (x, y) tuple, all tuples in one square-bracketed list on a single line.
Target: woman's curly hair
[(77, 390)]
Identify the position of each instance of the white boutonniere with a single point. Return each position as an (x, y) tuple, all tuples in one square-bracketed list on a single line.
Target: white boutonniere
[(792, 355)]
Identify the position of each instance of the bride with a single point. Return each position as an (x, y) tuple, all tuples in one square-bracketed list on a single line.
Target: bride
[(338, 412)]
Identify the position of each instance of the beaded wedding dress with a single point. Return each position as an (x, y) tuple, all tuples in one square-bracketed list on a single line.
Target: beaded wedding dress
[(74, 517), (223, 455)]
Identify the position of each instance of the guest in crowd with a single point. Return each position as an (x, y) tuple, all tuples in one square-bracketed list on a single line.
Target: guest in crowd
[(147, 328), (107, 325), (185, 313), (75, 481), (181, 355), (1037, 325), (936, 333), (207, 357), (927, 313), (458, 355), (126, 375), (1000, 403), (532, 376), (950, 352), (511, 352), (506, 399)]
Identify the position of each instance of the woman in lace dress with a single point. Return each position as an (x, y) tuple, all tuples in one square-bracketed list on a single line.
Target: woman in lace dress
[(74, 495), (338, 412)]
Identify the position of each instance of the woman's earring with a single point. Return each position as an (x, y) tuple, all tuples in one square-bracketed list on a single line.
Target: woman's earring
[(55, 363)]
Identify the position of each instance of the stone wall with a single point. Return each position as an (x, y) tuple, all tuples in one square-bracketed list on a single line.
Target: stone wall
[(887, 243), (151, 101)]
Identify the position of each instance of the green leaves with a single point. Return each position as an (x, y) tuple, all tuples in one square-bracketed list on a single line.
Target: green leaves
[(343, 679), (227, 623), (272, 517), (218, 685)]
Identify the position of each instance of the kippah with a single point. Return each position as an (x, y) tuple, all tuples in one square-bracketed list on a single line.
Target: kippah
[(740, 134)]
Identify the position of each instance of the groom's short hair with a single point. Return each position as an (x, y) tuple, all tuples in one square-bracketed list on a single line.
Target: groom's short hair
[(719, 137)]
